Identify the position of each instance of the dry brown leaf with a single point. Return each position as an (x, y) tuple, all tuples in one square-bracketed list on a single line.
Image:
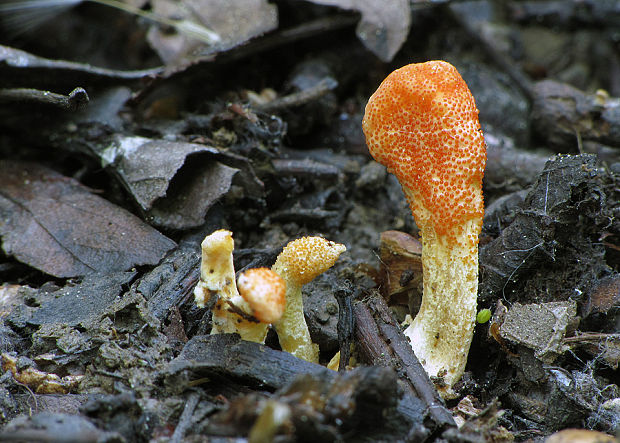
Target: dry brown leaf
[(234, 23), (384, 25), (56, 225), (170, 180)]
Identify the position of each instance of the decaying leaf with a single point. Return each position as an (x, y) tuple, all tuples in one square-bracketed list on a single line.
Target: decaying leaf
[(54, 224), (384, 25), (401, 269), (147, 168), (540, 327), (80, 303), (604, 298), (192, 197), (233, 22), (39, 381)]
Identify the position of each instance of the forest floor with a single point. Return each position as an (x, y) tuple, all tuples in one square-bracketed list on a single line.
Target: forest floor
[(125, 139)]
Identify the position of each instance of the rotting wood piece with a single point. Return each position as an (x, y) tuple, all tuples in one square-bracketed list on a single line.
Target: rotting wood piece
[(171, 282), (226, 356), (565, 209), (381, 342), (254, 364), (346, 325), (356, 405), (510, 168), (566, 116)]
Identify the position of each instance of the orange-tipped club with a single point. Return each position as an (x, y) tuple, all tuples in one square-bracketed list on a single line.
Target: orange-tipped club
[(422, 124), (300, 262), (265, 293)]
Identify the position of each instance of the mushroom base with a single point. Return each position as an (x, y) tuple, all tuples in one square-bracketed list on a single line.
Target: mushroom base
[(225, 322), (442, 332)]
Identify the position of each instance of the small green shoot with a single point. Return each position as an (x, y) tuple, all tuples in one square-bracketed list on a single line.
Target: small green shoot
[(484, 315)]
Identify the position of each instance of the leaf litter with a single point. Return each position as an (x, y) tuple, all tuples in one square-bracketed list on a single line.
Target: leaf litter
[(53, 223), (261, 135)]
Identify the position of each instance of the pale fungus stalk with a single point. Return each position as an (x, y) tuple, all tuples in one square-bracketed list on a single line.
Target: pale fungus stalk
[(217, 272), (422, 124), (300, 262), (246, 310)]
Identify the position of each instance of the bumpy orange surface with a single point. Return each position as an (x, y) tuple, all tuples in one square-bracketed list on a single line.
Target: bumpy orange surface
[(302, 260), (265, 291), (422, 124)]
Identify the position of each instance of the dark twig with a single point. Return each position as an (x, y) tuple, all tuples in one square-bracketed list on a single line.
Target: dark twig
[(77, 99), (306, 167), (299, 98), (500, 59), (596, 337), (186, 416), (382, 343), (345, 326)]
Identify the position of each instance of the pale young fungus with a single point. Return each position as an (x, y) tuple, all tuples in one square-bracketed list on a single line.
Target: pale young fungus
[(300, 262), (247, 310), (422, 124)]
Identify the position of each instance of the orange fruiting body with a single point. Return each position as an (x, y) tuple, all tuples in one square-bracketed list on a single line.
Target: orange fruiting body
[(422, 124), (265, 292), (300, 262), (232, 313), (308, 257)]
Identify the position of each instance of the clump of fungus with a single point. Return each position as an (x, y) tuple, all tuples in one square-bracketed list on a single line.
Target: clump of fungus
[(300, 262), (422, 124), (246, 309), (217, 272)]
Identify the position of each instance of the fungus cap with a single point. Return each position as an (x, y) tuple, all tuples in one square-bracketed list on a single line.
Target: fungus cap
[(216, 268), (265, 292), (308, 257), (422, 124), (217, 250)]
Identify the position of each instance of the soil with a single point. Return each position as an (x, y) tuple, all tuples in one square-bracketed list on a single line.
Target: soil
[(124, 142)]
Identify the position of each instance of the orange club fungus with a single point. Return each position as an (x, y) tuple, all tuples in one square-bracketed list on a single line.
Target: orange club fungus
[(300, 262), (262, 297), (422, 124)]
